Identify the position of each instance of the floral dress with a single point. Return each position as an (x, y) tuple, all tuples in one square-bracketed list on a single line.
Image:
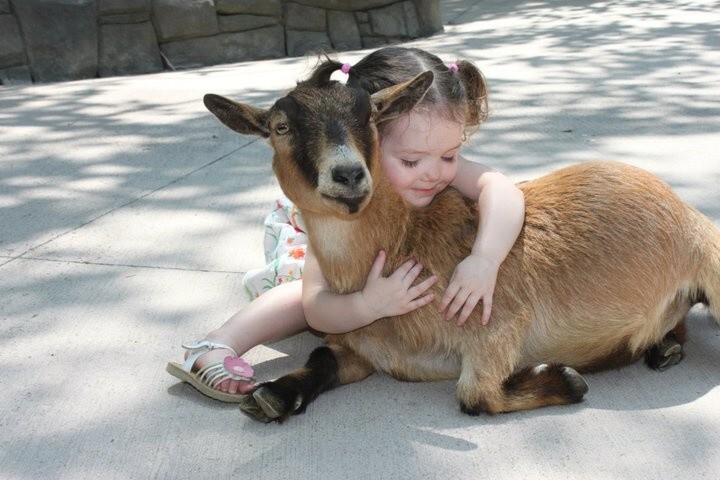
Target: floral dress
[(285, 245)]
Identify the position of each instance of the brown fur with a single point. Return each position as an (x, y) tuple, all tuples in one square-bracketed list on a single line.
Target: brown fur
[(607, 263)]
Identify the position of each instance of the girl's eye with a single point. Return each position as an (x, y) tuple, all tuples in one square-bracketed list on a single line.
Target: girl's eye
[(448, 159), (408, 163)]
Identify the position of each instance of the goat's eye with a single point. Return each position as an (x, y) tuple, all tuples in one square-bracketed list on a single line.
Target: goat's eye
[(282, 128)]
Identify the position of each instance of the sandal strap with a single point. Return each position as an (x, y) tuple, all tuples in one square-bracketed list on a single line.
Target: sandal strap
[(216, 373), (200, 348), (212, 375)]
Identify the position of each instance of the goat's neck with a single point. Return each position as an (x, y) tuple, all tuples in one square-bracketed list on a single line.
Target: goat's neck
[(345, 248)]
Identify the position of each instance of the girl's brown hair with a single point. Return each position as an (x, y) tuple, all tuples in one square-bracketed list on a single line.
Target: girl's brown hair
[(461, 91)]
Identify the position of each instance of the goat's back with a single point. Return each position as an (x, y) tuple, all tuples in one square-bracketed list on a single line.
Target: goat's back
[(607, 260)]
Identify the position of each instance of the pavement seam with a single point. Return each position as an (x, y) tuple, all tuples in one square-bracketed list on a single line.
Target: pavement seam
[(130, 202), (125, 265)]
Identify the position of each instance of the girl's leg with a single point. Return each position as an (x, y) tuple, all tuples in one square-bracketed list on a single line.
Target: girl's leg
[(276, 314)]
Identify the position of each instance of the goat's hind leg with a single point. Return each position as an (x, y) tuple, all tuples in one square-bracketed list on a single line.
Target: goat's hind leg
[(327, 368), (526, 389), (668, 351)]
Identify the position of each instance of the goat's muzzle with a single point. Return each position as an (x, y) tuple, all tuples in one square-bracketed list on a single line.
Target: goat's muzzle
[(345, 184), (353, 204), (348, 176)]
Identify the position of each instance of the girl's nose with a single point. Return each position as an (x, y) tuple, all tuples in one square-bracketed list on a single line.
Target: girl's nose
[(432, 171)]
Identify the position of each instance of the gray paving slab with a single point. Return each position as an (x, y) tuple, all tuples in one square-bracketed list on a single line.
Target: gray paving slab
[(206, 220), (128, 216)]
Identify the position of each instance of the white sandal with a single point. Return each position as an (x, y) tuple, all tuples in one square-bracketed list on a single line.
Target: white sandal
[(210, 376)]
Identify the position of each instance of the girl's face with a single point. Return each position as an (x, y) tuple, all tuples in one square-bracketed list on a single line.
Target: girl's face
[(419, 154)]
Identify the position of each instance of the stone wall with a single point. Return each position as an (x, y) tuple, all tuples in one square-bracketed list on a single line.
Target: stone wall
[(57, 40)]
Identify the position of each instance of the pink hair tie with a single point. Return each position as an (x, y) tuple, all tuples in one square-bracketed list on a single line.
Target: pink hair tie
[(345, 68), (453, 67)]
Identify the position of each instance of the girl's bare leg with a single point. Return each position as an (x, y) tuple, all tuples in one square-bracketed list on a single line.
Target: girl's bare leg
[(276, 314)]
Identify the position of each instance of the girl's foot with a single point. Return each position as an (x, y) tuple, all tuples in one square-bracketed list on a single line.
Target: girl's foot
[(221, 362), (232, 363)]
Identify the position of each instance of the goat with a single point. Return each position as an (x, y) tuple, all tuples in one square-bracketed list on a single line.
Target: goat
[(608, 262)]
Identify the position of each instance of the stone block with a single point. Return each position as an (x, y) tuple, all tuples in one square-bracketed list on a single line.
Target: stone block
[(112, 7), (388, 21), (343, 30), (61, 38), (13, 51), (300, 17), (271, 8), (128, 49), (412, 24), (374, 42), (134, 17), (429, 17), (241, 23), (15, 76), (352, 5), (365, 29), (301, 43), (268, 42), (179, 19)]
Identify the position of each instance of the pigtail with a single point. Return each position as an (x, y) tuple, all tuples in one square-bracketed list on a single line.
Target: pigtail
[(321, 74), (476, 92)]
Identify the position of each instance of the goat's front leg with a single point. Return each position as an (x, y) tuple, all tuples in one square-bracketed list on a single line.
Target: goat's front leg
[(491, 382), (327, 368), (525, 389)]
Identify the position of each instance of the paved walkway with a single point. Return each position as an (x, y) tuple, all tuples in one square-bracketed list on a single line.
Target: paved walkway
[(128, 215)]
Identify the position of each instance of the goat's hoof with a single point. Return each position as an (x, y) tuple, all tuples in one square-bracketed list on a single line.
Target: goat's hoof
[(577, 383), (274, 405), (472, 411), (270, 404), (250, 407), (664, 355), (668, 362)]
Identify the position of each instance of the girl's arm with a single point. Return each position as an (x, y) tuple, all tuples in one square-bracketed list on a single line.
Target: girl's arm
[(501, 206), (381, 297)]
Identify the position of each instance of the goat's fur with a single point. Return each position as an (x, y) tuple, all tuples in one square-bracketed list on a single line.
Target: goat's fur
[(608, 262)]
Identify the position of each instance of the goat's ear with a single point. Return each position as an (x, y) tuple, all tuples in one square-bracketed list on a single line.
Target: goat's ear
[(240, 117), (394, 101)]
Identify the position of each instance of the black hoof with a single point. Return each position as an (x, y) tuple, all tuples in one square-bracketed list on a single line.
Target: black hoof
[(273, 404), (578, 387), (270, 402), (665, 354), (250, 407)]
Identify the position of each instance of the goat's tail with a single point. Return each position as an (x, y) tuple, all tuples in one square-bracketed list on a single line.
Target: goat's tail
[(709, 275)]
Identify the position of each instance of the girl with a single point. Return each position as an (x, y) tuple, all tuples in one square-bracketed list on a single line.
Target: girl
[(420, 155)]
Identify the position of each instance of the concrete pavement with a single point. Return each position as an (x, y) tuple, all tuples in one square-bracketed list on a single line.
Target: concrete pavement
[(128, 215)]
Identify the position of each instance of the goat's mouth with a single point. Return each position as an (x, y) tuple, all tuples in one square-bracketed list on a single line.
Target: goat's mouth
[(354, 204)]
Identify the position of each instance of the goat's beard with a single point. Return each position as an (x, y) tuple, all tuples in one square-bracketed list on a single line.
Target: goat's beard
[(350, 204)]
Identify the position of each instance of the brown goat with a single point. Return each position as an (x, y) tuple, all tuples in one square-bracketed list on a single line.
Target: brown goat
[(608, 263)]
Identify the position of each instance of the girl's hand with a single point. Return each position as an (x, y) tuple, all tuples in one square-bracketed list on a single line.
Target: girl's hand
[(473, 280), (396, 294)]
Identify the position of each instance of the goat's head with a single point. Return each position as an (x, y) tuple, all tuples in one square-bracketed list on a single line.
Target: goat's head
[(324, 137)]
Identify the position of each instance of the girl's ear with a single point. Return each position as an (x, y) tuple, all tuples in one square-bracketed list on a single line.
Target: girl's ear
[(476, 91)]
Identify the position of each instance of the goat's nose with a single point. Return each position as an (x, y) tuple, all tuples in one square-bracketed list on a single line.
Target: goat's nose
[(349, 176)]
